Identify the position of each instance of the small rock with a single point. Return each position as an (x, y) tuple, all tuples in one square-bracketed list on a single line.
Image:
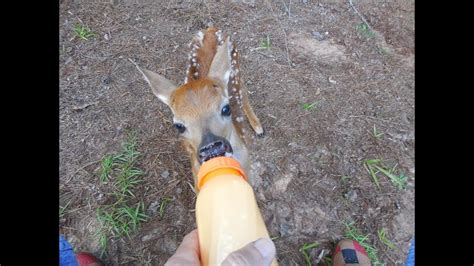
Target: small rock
[(106, 37), (293, 145), (318, 36), (168, 245), (153, 208), (351, 195), (284, 229), (106, 80), (370, 211), (165, 174), (282, 184), (151, 235)]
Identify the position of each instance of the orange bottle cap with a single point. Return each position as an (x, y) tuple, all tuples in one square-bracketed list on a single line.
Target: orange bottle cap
[(218, 166)]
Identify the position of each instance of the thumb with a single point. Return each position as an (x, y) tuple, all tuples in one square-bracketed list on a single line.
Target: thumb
[(258, 253)]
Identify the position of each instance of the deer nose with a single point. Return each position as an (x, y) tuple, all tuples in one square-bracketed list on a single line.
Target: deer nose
[(213, 147)]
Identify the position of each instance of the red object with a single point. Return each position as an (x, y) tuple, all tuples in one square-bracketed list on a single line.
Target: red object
[(359, 248), (87, 259)]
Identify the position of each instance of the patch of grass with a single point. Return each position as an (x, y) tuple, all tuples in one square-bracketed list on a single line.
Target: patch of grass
[(345, 178), (369, 166), (265, 44), (273, 238), (327, 260), (106, 168), (127, 180), (304, 250), (119, 221), (383, 50), (376, 166), (383, 238), (376, 133), (83, 32), (121, 218), (353, 233), (365, 30), (309, 106), (163, 204), (63, 210)]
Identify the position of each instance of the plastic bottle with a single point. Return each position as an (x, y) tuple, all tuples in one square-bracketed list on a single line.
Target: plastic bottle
[(227, 214)]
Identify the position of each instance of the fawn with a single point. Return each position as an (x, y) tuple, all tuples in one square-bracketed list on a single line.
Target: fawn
[(207, 108)]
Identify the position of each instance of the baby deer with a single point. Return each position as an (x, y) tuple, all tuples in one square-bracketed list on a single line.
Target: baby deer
[(207, 108)]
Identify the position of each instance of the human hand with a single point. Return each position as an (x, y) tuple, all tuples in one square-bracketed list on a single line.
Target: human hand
[(256, 253)]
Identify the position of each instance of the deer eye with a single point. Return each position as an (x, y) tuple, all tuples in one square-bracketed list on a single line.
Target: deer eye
[(180, 127), (225, 110)]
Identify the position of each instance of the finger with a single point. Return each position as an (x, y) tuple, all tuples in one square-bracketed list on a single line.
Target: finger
[(188, 252), (260, 252)]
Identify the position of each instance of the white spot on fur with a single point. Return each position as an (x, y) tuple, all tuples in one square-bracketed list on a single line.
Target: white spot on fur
[(200, 35), (219, 36)]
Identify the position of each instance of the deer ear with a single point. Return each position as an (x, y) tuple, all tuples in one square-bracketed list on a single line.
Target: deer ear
[(221, 64), (161, 86)]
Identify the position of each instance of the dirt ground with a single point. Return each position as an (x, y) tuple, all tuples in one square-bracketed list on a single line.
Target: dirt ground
[(308, 171)]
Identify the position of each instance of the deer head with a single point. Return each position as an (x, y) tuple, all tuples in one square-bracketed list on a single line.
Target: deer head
[(201, 107)]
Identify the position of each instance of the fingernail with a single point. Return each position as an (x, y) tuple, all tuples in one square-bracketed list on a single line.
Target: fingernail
[(265, 246)]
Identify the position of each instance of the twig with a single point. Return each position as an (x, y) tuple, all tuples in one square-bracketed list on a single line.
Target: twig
[(84, 106), (376, 118), (287, 8), (89, 164), (360, 15), (267, 55)]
